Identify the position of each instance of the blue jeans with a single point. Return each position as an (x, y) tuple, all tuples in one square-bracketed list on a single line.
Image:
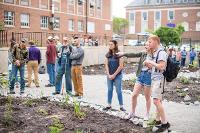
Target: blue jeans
[(183, 61), (118, 85), (51, 72), (14, 77), (63, 69), (191, 60)]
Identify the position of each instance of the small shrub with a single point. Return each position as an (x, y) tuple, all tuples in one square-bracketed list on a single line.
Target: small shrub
[(42, 112), (28, 103), (78, 131), (57, 126), (77, 110), (184, 80), (8, 113)]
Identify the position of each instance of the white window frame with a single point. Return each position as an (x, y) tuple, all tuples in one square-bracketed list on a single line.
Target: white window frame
[(83, 7), (93, 7), (70, 25), (70, 4), (158, 2), (80, 26), (25, 23), (157, 21), (198, 24), (185, 1), (173, 14), (9, 20), (100, 10), (144, 21), (29, 3), (131, 25), (44, 22), (9, 2), (107, 27), (41, 6), (142, 15)]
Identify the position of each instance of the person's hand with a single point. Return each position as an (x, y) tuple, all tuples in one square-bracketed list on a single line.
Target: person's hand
[(120, 53), (148, 63), (17, 62), (59, 54), (112, 77)]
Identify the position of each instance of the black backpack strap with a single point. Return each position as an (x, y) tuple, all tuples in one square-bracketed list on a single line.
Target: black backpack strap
[(163, 85), (157, 59)]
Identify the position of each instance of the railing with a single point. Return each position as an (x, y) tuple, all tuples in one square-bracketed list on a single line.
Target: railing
[(3, 38)]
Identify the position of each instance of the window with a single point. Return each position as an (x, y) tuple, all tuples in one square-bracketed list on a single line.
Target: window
[(9, 1), (144, 16), (132, 23), (71, 25), (24, 20), (185, 1), (9, 18), (171, 1), (80, 2), (170, 15), (158, 1), (80, 26), (177, 1), (186, 26), (107, 27), (70, 2), (191, 1), (157, 15), (198, 26), (132, 18), (99, 4), (56, 23), (24, 2), (146, 1), (91, 27), (92, 2), (44, 22)]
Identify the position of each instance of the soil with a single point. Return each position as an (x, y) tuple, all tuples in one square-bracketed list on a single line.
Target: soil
[(28, 119), (172, 90)]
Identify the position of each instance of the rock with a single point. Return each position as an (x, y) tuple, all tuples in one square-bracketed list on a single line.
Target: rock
[(196, 103), (92, 70), (164, 100), (182, 102), (135, 121), (121, 114), (187, 103), (185, 89), (173, 132), (144, 124), (191, 104), (141, 122), (196, 82), (187, 98)]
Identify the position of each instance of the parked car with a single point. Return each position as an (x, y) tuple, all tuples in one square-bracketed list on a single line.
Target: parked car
[(117, 37)]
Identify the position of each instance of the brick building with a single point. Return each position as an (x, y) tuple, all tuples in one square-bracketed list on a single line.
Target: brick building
[(146, 15), (58, 16)]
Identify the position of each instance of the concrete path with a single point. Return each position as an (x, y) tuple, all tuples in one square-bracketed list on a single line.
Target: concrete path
[(183, 118)]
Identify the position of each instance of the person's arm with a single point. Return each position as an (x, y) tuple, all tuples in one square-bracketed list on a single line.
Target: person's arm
[(48, 50), (161, 65), (13, 54), (121, 65), (76, 54), (133, 55), (106, 67)]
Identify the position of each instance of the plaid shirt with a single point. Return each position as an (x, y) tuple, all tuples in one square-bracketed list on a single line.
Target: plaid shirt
[(19, 54)]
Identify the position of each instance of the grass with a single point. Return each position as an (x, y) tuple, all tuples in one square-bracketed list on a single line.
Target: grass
[(4, 83), (57, 126), (184, 80), (28, 103), (8, 113), (77, 110), (42, 112)]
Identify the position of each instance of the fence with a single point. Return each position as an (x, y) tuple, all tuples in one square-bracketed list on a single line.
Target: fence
[(40, 38)]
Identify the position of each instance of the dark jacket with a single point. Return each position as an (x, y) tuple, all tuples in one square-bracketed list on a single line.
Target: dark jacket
[(19, 54)]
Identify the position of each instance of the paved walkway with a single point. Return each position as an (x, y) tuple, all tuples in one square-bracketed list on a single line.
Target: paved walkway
[(183, 118)]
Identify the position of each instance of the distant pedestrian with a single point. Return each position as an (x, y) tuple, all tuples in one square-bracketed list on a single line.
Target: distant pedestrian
[(183, 57), (58, 46), (19, 59), (114, 66), (64, 67), (51, 60), (178, 56), (77, 56), (34, 59), (192, 56)]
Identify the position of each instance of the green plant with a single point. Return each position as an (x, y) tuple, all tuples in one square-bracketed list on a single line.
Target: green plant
[(4, 83), (184, 80), (78, 131), (77, 110), (42, 112), (28, 103), (57, 126), (66, 101), (8, 113), (182, 94)]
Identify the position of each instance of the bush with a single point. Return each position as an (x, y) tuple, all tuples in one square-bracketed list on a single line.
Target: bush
[(184, 80)]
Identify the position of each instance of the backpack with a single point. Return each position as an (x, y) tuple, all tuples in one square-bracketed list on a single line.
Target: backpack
[(172, 69)]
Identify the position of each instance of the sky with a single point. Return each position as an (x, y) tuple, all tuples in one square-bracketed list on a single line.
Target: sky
[(118, 9)]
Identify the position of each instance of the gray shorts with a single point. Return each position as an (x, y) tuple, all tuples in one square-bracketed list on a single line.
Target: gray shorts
[(157, 89)]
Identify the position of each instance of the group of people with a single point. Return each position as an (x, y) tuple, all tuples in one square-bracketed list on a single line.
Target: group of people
[(150, 78), (180, 56), (61, 58)]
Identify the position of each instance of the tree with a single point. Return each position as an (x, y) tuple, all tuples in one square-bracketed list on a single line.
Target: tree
[(169, 36), (119, 24)]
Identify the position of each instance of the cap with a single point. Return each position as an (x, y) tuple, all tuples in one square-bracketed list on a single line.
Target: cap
[(56, 38), (23, 40), (50, 37)]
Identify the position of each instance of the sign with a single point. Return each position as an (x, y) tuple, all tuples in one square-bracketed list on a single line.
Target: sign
[(171, 25)]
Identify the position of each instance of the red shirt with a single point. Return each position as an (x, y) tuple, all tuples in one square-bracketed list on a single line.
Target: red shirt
[(51, 53)]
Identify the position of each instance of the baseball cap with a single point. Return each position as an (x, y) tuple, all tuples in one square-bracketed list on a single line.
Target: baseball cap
[(50, 37)]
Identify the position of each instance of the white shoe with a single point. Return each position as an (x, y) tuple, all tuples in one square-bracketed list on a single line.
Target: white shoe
[(146, 117), (129, 116)]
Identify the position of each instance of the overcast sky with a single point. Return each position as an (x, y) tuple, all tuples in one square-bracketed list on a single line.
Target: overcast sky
[(118, 9)]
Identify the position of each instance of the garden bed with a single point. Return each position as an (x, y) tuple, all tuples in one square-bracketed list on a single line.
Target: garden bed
[(37, 115)]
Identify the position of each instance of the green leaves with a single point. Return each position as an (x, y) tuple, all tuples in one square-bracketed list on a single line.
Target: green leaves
[(119, 24)]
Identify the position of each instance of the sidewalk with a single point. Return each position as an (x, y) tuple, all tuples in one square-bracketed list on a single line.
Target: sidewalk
[(183, 118)]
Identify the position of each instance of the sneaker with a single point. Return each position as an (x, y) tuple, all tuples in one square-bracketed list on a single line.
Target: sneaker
[(49, 85), (55, 93), (21, 92), (28, 86), (107, 108), (157, 122), (146, 117), (37, 86), (162, 127), (11, 92), (129, 116), (122, 109)]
